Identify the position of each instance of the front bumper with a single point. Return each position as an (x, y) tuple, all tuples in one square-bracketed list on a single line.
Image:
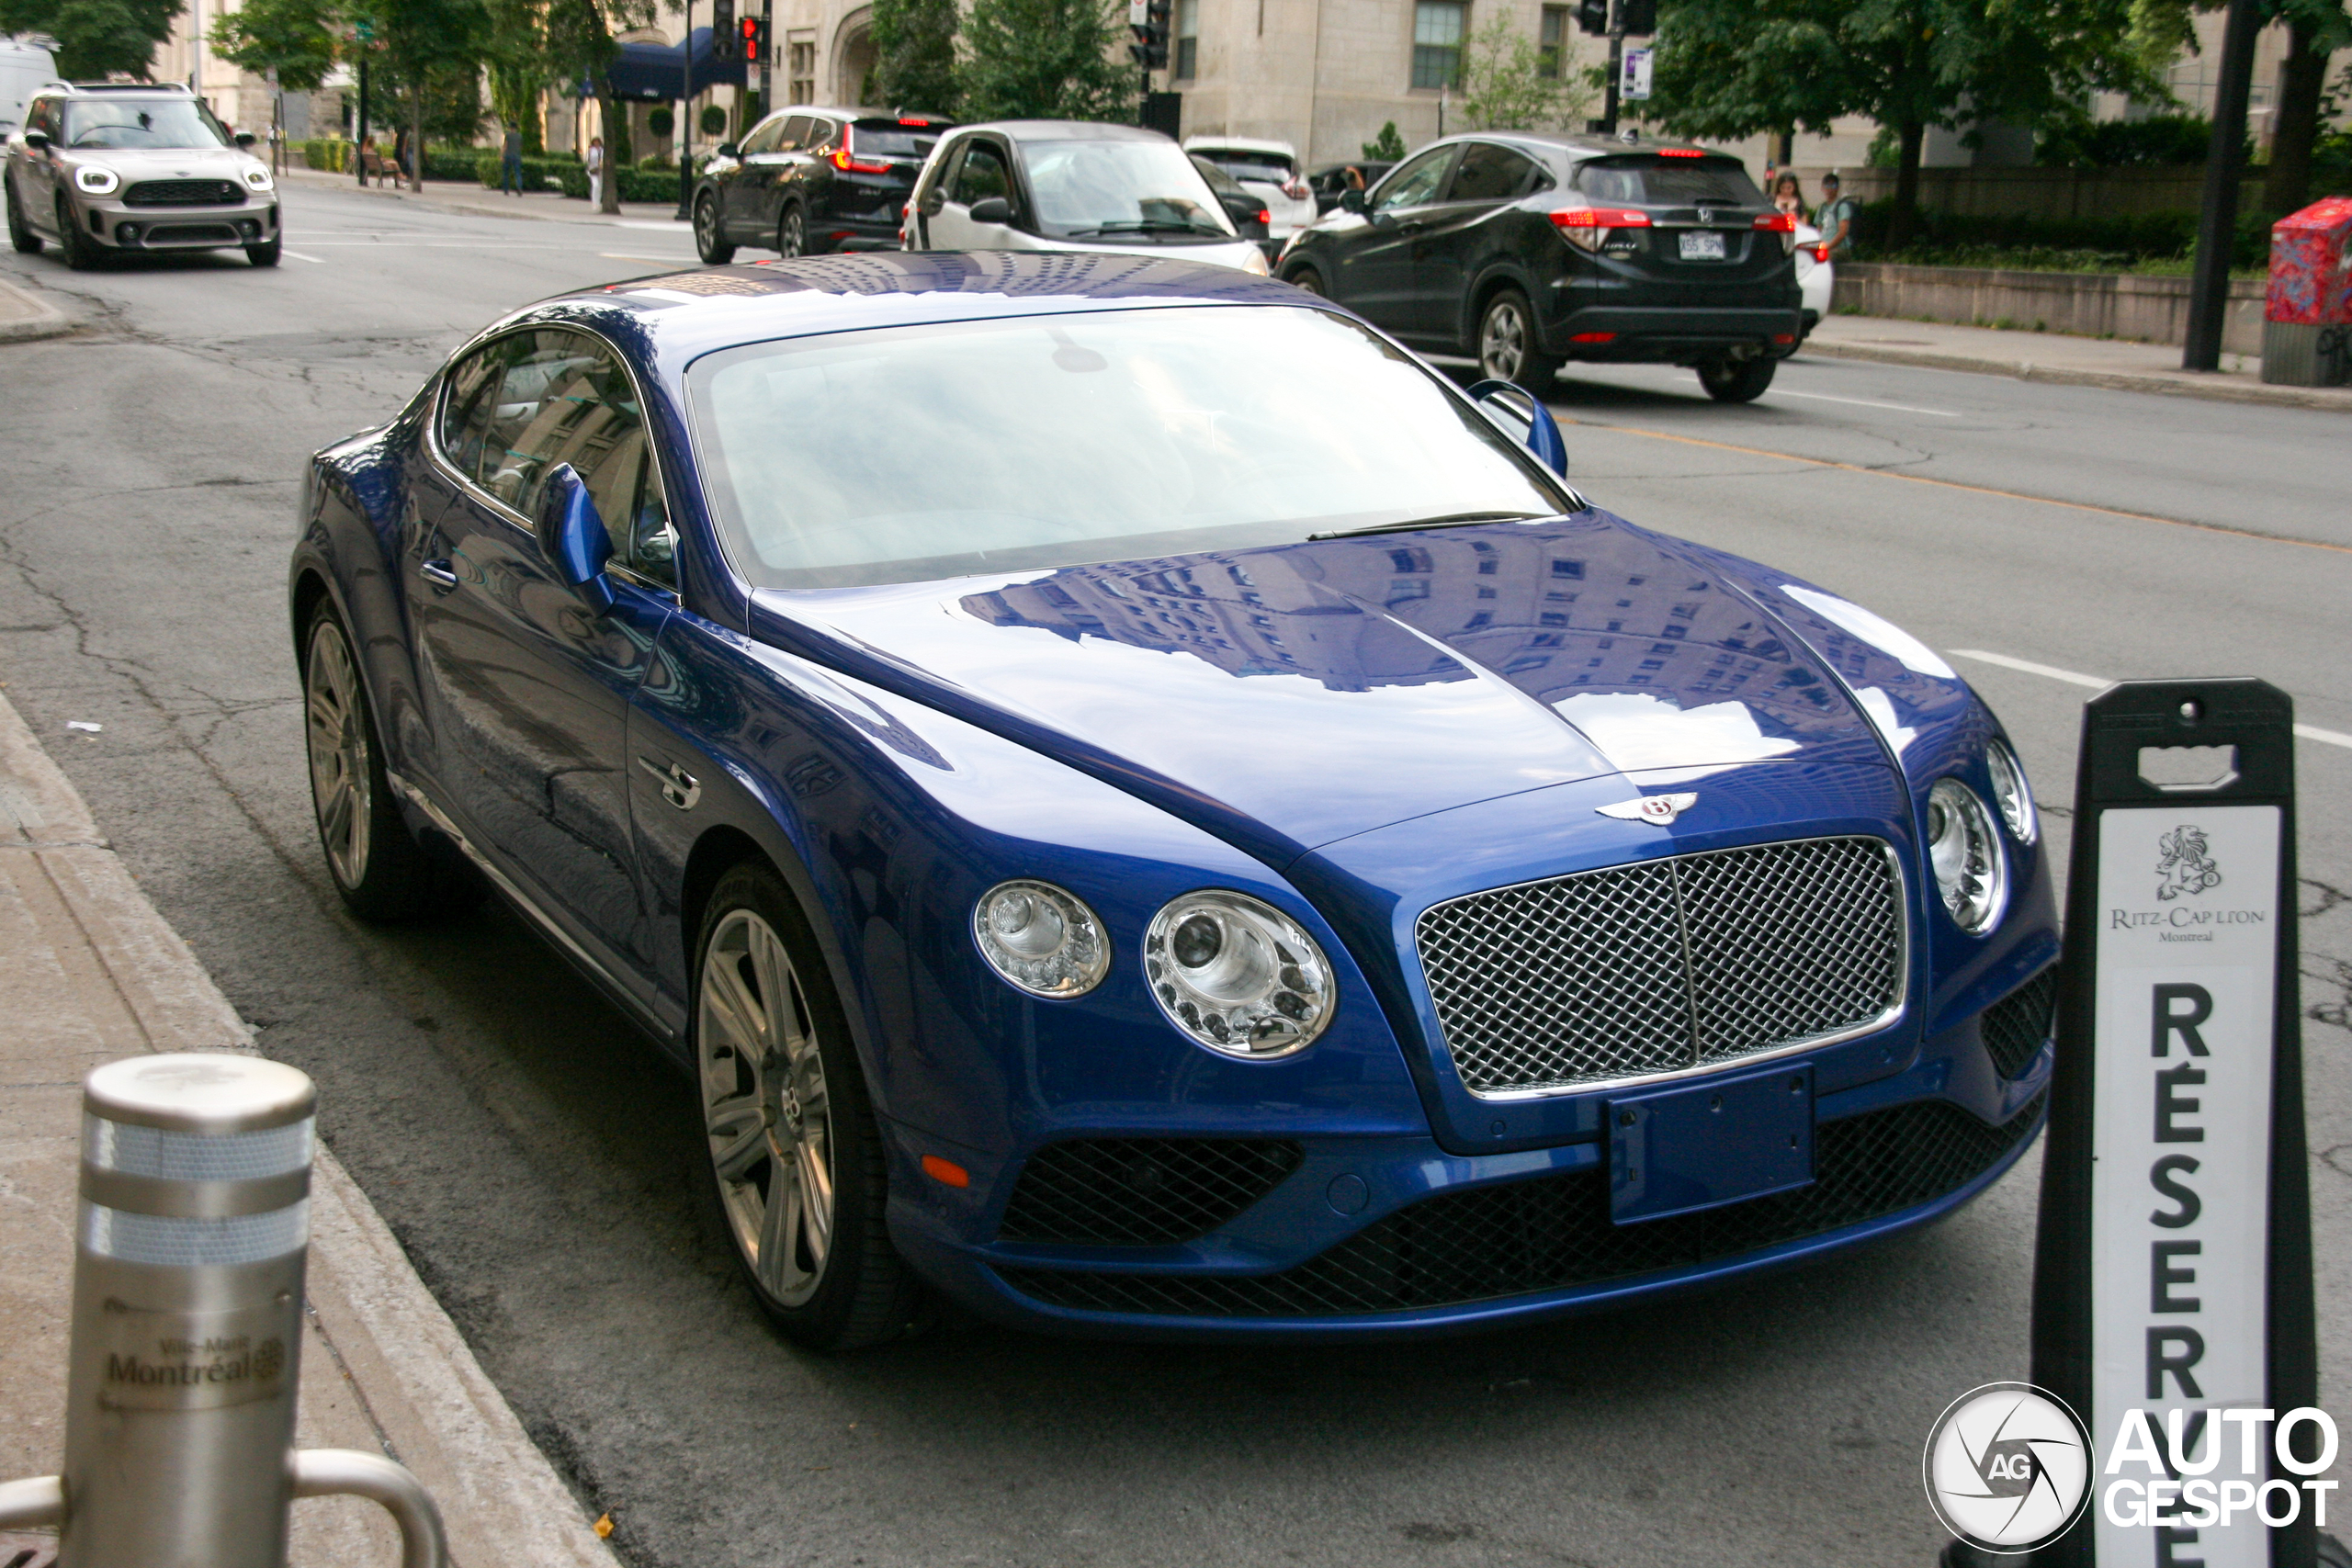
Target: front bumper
[(111, 223)]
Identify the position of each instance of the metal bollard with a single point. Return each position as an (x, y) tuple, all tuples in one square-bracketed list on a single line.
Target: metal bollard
[(187, 1329)]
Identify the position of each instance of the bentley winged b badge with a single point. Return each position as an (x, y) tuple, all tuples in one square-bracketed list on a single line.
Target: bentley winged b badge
[(1661, 809)]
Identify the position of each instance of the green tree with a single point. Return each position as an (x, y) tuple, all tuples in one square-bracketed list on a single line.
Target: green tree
[(518, 66), (1388, 147), (580, 47), (1046, 59), (433, 44), (1505, 86), (2315, 30), (914, 43), (293, 38), (96, 38), (1731, 68)]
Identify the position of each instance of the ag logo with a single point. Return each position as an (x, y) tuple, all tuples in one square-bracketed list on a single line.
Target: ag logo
[(2184, 865), (2007, 1468)]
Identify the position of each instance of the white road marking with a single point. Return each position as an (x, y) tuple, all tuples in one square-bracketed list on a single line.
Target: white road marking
[(669, 225), (299, 256), (632, 255), (1861, 402), (2075, 678)]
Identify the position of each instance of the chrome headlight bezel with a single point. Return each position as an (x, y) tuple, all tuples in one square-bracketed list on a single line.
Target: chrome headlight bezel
[(1263, 988), (94, 179), (2011, 793), (257, 177), (1040, 938), (1965, 856)]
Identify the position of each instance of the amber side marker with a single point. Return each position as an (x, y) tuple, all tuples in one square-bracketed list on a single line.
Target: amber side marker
[(945, 1171)]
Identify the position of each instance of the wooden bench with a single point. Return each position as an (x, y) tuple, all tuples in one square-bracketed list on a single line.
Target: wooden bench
[(378, 166)]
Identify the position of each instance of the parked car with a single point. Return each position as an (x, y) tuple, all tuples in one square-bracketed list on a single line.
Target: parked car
[(1246, 213), (1528, 250), (1816, 277), (1331, 182), (103, 168), (1067, 185), (1268, 170), (808, 180), (1192, 828)]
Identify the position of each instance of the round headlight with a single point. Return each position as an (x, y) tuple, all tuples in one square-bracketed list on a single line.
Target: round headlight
[(1041, 937), (95, 181), (1972, 874), (258, 178), (1237, 974), (2011, 793)]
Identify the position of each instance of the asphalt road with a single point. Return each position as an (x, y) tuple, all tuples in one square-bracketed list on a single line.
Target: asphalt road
[(539, 1163)]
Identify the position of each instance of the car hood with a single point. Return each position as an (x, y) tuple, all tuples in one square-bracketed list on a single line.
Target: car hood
[(167, 163), (1291, 697)]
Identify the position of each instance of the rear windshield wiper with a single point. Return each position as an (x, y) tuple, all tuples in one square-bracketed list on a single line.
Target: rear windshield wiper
[(1449, 519)]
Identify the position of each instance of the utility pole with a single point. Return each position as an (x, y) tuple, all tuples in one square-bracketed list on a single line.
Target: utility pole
[(686, 108), (2209, 289), (767, 58)]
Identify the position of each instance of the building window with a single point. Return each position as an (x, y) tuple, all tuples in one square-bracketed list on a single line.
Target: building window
[(1438, 26), (801, 68), (1552, 42), (1186, 58)]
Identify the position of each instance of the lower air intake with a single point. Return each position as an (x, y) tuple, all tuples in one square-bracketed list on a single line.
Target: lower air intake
[(1142, 1191)]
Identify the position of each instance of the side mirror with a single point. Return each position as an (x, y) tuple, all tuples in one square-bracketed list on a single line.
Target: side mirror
[(1534, 426), (572, 536), (994, 209), (36, 139), (728, 149), (1352, 200), (244, 138)]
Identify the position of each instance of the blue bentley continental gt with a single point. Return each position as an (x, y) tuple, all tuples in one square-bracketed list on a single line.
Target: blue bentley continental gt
[(1148, 811)]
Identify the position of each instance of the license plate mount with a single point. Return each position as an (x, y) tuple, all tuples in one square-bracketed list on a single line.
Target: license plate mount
[(1701, 245), (1721, 1140)]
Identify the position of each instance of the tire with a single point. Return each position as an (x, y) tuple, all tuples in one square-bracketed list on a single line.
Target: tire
[(1508, 347), (1736, 380), (80, 254), (792, 233), (378, 867), (709, 243), (1307, 280), (784, 1111), (264, 254), (20, 234)]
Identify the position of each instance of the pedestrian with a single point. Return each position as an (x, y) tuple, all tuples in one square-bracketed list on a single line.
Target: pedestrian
[(1836, 222), (1788, 195), (510, 175), (597, 173)]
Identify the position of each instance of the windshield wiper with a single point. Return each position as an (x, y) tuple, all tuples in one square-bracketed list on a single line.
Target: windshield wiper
[(1449, 519), (1148, 226)]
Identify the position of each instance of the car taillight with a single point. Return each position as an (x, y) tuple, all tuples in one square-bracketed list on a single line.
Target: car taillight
[(1295, 188), (1776, 222), (844, 160), (1583, 226), (1264, 216), (1680, 152), (923, 122), (1592, 337)]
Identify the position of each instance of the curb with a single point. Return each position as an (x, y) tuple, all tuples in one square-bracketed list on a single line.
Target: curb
[(2182, 384), (44, 321), (589, 217), (425, 1398)]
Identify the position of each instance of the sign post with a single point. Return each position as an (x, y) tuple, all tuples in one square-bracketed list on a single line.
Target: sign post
[(2172, 1300)]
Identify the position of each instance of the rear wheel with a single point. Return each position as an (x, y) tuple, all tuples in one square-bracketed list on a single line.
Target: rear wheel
[(1508, 349), (792, 233), (796, 1160), (709, 243), (20, 234), (1307, 280), (81, 253), (1736, 380)]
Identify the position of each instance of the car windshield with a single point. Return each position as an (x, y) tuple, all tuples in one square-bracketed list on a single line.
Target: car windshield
[(1094, 189), (141, 122), (1055, 441), (883, 140), (1656, 181)]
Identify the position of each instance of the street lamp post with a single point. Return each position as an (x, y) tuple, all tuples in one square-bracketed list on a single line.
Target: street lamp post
[(686, 111)]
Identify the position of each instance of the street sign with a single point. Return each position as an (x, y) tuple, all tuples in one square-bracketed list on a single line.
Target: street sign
[(2172, 1274), (1633, 76)]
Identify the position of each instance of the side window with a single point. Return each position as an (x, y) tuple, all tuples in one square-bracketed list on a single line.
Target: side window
[(549, 411), (627, 487), (982, 175), (1488, 173), (468, 393), (1415, 184), (796, 134), (763, 137), (43, 117), (822, 135)]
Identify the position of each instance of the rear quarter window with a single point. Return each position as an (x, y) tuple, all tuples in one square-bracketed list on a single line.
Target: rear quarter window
[(1660, 182)]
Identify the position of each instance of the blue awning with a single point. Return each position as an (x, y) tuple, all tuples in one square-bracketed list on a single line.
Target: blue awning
[(650, 71)]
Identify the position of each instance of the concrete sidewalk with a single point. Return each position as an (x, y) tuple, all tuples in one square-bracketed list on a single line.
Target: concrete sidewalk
[(25, 315), (455, 195), (92, 973), (2053, 357)]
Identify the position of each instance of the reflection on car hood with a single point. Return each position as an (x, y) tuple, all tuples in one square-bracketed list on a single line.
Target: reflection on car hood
[(1289, 697), (167, 163)]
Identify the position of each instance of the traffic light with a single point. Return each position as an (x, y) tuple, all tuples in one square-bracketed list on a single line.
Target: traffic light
[(1637, 18), (1149, 48), (1592, 15), (722, 22), (755, 39)]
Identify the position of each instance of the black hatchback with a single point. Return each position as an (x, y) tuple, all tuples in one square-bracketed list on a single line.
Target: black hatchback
[(1528, 251), (807, 181)]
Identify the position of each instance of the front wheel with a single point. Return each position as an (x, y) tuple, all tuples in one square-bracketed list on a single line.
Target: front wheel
[(81, 254), (1508, 347), (708, 243), (1736, 380), (263, 254), (20, 234), (796, 1160), (792, 233)]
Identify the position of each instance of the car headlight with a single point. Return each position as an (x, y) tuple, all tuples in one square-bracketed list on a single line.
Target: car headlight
[(257, 178), (91, 180), (1972, 873), (1237, 974), (1041, 937), (2011, 793), (1257, 264)]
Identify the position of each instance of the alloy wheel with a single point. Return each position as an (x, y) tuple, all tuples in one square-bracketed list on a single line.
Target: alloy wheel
[(337, 736), (1502, 341), (705, 225), (765, 1107), (792, 238)]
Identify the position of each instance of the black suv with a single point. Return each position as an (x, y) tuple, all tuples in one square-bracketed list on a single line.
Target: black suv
[(810, 180), (1528, 250)]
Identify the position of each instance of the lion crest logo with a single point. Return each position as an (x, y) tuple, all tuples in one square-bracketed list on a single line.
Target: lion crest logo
[(2185, 866)]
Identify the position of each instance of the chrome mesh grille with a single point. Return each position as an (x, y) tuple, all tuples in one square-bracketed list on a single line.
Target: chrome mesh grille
[(1664, 965)]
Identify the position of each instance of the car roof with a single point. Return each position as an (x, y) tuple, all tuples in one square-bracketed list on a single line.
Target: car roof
[(117, 89), (1583, 146), (1240, 144), (1064, 130)]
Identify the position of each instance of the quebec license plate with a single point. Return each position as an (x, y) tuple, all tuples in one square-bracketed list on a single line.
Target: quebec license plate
[(1701, 245), (1721, 1140)]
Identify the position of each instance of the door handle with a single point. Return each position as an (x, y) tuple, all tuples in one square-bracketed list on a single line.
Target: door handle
[(437, 573)]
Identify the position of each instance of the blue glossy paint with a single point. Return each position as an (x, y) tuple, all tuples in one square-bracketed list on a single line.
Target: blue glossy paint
[(1544, 437), (1351, 729), (573, 535)]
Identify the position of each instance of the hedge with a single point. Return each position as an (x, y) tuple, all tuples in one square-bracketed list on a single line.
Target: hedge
[(538, 174), (636, 185), (2113, 242)]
